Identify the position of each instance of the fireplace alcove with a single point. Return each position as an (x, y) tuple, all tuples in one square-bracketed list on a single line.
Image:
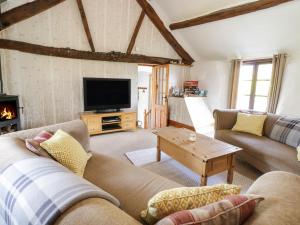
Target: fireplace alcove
[(9, 114)]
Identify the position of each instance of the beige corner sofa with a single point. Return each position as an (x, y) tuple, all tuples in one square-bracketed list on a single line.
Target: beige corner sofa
[(134, 186), (262, 152)]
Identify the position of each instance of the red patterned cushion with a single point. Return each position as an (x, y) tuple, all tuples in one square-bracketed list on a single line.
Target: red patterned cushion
[(34, 144), (233, 210)]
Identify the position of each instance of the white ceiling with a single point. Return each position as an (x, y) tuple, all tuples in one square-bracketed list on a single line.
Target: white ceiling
[(259, 34), (181, 10)]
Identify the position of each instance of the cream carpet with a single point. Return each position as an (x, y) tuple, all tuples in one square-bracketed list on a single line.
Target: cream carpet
[(167, 167), (139, 147)]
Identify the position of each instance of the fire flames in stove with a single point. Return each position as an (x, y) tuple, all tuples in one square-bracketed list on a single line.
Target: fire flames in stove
[(7, 114)]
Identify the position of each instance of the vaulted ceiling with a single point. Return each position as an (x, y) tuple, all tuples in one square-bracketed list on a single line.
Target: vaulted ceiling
[(257, 34)]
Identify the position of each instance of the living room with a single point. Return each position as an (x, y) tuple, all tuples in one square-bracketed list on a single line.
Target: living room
[(149, 112)]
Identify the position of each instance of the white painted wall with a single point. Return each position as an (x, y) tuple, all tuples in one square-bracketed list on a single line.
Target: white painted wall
[(214, 77), (255, 35), (179, 74), (179, 111), (290, 93), (50, 88)]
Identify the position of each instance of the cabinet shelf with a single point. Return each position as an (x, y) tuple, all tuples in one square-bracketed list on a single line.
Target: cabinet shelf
[(107, 123), (100, 123)]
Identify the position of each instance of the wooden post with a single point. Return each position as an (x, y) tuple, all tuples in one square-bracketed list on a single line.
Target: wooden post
[(145, 120), (158, 153), (203, 181), (230, 168)]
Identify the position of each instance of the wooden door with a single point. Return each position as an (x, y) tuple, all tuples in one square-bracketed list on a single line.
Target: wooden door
[(159, 96)]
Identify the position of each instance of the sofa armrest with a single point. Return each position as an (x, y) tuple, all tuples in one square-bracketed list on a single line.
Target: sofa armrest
[(225, 119)]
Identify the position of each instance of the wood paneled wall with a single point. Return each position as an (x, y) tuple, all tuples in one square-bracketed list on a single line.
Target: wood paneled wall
[(50, 88)]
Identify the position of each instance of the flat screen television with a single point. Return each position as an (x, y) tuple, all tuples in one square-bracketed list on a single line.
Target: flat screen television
[(105, 94)]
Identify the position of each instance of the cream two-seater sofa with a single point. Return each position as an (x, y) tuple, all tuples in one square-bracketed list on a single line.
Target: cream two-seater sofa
[(134, 186)]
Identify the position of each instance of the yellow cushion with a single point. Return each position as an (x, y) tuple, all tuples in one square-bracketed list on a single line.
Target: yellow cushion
[(167, 202), (67, 151), (250, 123), (298, 149)]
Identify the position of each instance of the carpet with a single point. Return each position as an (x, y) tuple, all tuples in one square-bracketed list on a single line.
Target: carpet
[(244, 174), (144, 156)]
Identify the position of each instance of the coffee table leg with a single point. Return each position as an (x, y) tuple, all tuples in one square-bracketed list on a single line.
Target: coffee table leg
[(230, 170), (203, 180), (158, 153)]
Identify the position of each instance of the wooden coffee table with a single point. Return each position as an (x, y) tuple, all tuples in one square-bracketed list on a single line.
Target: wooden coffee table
[(205, 156)]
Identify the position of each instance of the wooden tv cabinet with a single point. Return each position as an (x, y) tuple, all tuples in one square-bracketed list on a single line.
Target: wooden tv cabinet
[(101, 123)]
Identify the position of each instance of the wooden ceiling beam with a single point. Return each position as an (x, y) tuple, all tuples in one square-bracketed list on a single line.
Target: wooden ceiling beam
[(135, 33), (150, 12), (85, 25), (84, 55), (228, 13), (26, 11)]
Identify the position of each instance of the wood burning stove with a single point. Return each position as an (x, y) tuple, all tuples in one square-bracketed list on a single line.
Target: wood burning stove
[(9, 114)]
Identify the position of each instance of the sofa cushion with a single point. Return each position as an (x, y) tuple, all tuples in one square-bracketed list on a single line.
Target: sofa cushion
[(34, 144), (287, 131), (173, 200), (67, 151), (275, 155), (131, 185), (95, 211), (233, 210), (269, 123), (250, 123), (13, 149), (76, 128), (282, 196)]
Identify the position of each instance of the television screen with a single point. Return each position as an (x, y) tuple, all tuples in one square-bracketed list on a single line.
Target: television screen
[(103, 93)]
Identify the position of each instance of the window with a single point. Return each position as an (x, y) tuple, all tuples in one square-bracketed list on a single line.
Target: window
[(254, 85)]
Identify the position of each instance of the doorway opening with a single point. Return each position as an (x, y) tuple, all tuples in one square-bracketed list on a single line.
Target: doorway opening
[(153, 89), (144, 93)]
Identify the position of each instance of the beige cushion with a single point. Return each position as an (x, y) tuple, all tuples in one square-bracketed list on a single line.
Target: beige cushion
[(282, 196), (265, 153), (95, 211), (132, 186), (250, 123), (67, 151)]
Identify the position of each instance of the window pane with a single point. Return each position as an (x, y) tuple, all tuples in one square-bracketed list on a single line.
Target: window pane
[(244, 88), (262, 88), (260, 103), (243, 102), (264, 72), (246, 72)]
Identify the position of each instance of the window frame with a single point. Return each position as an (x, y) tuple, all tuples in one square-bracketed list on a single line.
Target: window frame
[(255, 64)]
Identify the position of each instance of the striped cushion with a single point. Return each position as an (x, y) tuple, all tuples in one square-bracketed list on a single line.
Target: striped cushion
[(233, 210), (34, 144), (287, 131)]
